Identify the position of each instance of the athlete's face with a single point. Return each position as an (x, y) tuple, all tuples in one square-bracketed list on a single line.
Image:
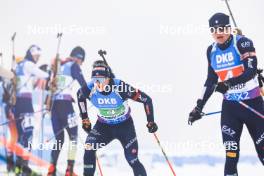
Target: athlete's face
[(101, 83), (79, 61), (36, 57), (221, 34)]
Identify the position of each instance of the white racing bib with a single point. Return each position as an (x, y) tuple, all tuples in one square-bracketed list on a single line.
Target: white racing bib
[(72, 120), (27, 121)]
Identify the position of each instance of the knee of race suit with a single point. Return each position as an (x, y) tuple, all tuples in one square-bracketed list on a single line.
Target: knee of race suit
[(132, 157), (135, 164), (232, 157)]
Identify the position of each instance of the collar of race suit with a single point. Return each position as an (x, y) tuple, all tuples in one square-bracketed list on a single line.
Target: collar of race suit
[(226, 44)]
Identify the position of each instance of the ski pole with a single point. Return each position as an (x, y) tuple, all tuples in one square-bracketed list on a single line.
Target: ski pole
[(164, 154), (9, 121), (251, 109), (211, 113), (99, 165), (61, 130)]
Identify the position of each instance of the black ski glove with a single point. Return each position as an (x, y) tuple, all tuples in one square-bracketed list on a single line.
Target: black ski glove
[(152, 127), (222, 87), (86, 125), (196, 113), (260, 77)]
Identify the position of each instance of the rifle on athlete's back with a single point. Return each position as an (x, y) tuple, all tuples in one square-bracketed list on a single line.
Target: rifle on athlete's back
[(239, 32), (14, 79), (53, 79)]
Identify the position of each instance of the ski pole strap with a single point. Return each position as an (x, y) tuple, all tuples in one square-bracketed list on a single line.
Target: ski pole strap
[(251, 109), (166, 157)]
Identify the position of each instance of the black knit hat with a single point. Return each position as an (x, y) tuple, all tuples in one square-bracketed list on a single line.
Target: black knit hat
[(78, 52), (219, 20)]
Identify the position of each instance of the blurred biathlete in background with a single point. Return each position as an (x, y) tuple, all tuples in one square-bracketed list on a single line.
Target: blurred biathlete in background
[(26, 71), (62, 112), (8, 130), (232, 60), (110, 96)]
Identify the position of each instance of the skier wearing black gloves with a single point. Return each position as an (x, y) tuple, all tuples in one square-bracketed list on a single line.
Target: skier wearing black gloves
[(109, 96), (232, 60)]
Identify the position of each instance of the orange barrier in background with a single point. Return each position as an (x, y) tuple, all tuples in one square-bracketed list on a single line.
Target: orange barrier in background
[(26, 155)]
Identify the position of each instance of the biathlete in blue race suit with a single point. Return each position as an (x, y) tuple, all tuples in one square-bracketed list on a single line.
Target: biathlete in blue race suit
[(109, 96), (232, 60)]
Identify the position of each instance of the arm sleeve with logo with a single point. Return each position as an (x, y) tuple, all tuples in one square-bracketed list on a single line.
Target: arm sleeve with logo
[(249, 59), (83, 94), (129, 92), (210, 82)]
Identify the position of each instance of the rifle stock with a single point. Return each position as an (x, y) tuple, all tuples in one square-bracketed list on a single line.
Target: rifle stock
[(53, 80)]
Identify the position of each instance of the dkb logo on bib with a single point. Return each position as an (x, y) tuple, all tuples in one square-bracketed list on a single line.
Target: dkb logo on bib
[(224, 58), (106, 101)]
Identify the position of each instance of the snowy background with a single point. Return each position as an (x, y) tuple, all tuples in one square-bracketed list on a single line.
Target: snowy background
[(158, 46)]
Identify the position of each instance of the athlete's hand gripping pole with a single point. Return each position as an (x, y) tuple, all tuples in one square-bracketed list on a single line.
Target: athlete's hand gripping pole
[(164, 154)]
